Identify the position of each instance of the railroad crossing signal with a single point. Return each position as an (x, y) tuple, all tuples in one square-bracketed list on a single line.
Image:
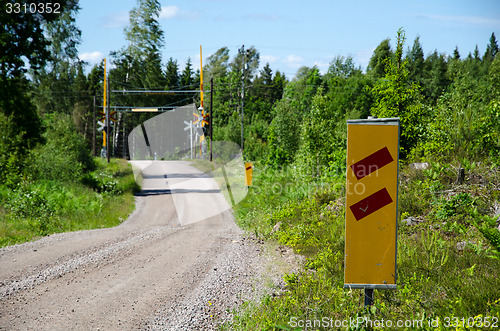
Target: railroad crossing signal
[(101, 125), (112, 116), (371, 203), (201, 119)]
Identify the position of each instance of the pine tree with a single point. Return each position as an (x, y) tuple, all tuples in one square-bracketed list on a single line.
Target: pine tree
[(279, 83), (376, 66), (186, 78), (172, 74), (476, 54), (491, 49), (416, 62), (436, 80)]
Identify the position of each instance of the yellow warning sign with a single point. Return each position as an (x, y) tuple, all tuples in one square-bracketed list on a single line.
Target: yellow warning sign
[(371, 203), (248, 173)]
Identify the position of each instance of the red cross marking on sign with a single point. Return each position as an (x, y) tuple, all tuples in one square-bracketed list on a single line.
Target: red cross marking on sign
[(371, 204), (371, 163)]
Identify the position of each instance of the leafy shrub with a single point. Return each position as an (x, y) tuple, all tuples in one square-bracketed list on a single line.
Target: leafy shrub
[(26, 201), (493, 236), (28, 204), (322, 135), (10, 151), (114, 178), (65, 155), (102, 182)]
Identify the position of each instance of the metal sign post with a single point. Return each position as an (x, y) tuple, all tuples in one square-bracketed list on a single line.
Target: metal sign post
[(371, 205)]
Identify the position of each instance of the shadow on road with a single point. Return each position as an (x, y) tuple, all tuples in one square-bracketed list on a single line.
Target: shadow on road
[(146, 193)]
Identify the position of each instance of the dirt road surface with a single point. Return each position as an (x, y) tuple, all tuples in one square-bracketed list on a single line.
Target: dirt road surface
[(155, 271)]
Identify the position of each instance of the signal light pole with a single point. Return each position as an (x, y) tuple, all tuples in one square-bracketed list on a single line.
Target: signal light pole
[(211, 115), (243, 74)]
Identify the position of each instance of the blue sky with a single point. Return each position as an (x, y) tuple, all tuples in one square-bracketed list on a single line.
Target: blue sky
[(290, 34)]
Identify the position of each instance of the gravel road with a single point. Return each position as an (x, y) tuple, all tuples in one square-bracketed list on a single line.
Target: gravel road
[(154, 271)]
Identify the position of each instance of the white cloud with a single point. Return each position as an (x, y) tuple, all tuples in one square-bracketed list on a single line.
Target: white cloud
[(268, 58), (169, 12), (91, 57), (294, 61), (113, 21), (468, 20), (322, 66)]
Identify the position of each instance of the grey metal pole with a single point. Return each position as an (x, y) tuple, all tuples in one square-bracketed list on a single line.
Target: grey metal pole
[(368, 297), (191, 137), (242, 52)]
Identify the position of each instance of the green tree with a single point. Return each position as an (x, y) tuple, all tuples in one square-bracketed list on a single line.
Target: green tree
[(83, 108), (377, 65), (346, 87), (491, 49), (322, 135), (55, 81), (144, 33), (395, 96), (217, 65), (279, 83), (303, 88), (416, 66), (23, 37), (261, 98), (23, 44), (227, 87), (139, 64), (251, 58), (342, 66), (494, 76), (490, 54), (64, 155), (284, 134), (172, 74), (436, 80), (186, 78)]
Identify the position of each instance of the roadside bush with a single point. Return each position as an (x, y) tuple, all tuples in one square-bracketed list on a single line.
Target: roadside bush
[(38, 208), (65, 155), (322, 135), (10, 151)]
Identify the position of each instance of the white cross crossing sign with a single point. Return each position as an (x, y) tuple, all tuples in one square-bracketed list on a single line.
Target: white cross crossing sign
[(101, 125)]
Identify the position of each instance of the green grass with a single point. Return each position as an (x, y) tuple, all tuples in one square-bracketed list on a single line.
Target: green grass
[(103, 198), (435, 279)]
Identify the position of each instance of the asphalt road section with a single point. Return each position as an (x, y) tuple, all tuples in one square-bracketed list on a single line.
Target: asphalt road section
[(154, 271)]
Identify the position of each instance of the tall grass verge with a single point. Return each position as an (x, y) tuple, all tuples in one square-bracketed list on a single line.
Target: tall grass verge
[(448, 263), (104, 198)]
